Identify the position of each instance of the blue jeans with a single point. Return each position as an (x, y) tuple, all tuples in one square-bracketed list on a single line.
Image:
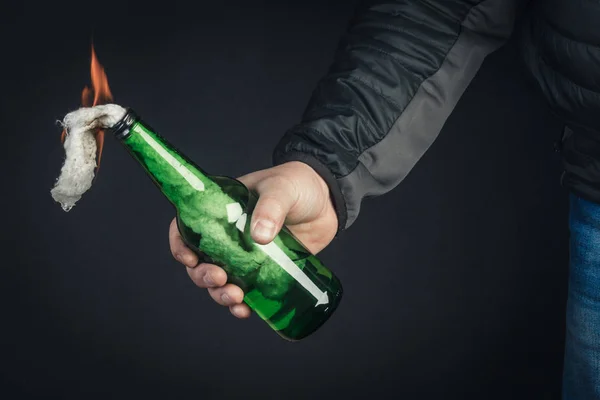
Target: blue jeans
[(581, 380)]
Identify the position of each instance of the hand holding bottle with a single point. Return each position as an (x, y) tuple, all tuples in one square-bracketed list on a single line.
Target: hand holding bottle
[(292, 194)]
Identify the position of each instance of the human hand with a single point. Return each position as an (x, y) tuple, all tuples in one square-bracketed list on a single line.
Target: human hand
[(292, 194)]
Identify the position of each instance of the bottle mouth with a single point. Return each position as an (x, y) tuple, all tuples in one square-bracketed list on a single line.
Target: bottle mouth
[(121, 129)]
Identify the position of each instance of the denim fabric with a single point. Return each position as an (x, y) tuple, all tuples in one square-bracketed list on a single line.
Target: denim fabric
[(582, 351)]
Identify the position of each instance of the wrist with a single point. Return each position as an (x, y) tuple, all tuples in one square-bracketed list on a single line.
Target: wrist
[(319, 187), (335, 198)]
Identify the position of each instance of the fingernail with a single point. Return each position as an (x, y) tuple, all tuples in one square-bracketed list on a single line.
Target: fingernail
[(264, 229), (208, 279), (225, 298)]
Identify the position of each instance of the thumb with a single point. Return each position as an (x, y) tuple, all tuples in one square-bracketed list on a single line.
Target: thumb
[(276, 197)]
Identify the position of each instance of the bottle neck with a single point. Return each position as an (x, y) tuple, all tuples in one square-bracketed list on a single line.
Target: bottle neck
[(171, 171)]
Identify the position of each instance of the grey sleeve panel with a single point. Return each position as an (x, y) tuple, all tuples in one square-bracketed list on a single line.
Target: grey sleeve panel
[(383, 166), (397, 75)]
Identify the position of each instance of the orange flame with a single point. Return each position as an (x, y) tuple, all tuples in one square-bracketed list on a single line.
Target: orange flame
[(101, 95)]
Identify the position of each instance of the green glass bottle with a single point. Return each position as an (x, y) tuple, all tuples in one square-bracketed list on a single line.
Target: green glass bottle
[(283, 282)]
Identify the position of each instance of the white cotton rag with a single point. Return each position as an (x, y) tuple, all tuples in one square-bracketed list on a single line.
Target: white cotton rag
[(77, 172)]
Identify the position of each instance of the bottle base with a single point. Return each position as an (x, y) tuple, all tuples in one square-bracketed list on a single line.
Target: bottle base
[(308, 323)]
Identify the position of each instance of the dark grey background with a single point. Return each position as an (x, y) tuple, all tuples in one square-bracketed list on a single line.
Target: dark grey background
[(454, 282)]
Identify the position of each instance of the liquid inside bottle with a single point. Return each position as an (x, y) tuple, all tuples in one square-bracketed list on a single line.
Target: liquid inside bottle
[(287, 286)]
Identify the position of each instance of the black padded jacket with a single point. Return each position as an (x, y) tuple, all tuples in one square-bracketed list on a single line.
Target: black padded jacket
[(401, 68)]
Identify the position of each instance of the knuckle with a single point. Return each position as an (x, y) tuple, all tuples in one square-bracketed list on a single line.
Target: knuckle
[(196, 275), (269, 206), (175, 252), (215, 294), (279, 182)]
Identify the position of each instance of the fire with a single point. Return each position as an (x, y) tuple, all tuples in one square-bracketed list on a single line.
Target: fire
[(100, 87), (98, 94)]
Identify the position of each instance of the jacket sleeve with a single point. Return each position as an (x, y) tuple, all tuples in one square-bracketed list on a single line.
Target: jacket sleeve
[(399, 71)]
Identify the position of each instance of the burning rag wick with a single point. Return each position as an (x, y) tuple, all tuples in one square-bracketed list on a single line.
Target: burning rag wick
[(77, 172)]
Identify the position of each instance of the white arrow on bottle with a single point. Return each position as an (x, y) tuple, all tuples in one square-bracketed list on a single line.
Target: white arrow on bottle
[(236, 215)]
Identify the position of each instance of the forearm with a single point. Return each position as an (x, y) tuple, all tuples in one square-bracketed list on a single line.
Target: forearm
[(398, 73)]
